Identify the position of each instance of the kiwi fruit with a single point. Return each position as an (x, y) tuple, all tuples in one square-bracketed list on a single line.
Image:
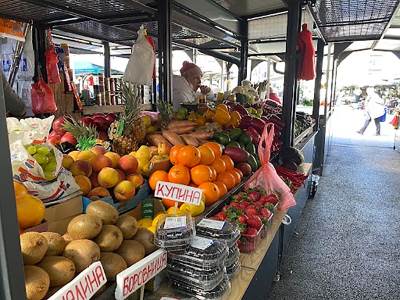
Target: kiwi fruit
[(131, 251), (146, 238), (56, 243), (106, 212), (112, 264), (84, 227), (110, 238), (128, 226), (60, 269), (33, 247), (83, 253), (37, 282), (67, 238)]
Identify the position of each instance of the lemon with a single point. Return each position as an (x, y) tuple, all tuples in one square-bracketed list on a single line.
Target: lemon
[(145, 222)]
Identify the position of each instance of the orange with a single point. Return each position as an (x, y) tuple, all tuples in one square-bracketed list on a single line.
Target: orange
[(228, 179), (236, 175), (207, 155), (30, 211), (173, 154), (214, 173), (157, 176), (223, 190), (210, 191), (219, 165), (19, 189), (223, 107), (179, 174), (215, 147), (201, 174), (229, 164), (239, 172), (170, 203), (189, 156)]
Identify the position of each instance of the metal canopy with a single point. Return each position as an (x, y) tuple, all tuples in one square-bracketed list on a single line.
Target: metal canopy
[(251, 8), (353, 20)]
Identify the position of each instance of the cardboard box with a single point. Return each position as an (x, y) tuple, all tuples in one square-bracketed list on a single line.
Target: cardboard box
[(59, 226), (42, 227), (70, 207)]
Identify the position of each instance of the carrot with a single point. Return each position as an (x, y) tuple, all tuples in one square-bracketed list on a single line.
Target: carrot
[(172, 137)]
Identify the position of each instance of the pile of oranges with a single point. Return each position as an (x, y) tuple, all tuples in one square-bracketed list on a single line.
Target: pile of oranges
[(205, 167)]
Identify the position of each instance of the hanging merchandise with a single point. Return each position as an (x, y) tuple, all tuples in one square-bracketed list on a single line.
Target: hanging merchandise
[(306, 68), (140, 68), (53, 74), (395, 121), (266, 176), (42, 98)]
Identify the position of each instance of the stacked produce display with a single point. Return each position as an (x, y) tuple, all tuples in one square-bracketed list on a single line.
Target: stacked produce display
[(116, 163)]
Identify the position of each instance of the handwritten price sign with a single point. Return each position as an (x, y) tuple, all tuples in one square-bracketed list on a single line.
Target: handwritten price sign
[(178, 192), (83, 286), (137, 275)]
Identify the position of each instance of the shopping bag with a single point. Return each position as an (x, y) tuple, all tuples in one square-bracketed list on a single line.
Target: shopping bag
[(140, 66), (27, 170), (383, 117), (395, 121), (266, 176), (53, 74), (305, 45), (42, 98)]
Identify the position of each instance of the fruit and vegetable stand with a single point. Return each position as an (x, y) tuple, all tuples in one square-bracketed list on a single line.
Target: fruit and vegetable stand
[(211, 158)]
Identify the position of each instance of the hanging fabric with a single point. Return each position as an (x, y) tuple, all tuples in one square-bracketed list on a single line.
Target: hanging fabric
[(305, 46)]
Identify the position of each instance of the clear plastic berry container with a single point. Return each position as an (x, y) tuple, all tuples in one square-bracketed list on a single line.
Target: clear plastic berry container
[(248, 243), (174, 233), (215, 294), (202, 253), (233, 256), (233, 270), (218, 230)]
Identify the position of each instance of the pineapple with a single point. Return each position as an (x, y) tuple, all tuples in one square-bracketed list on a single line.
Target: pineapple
[(166, 113), (129, 131), (86, 136)]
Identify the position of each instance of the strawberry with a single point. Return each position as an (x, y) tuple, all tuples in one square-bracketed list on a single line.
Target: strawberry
[(250, 211), (254, 222), (254, 196), (235, 204), (272, 198), (265, 213), (225, 208), (242, 219), (220, 216), (245, 204), (250, 231)]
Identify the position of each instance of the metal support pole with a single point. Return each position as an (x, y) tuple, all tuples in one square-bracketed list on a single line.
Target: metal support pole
[(107, 60), (165, 50), (244, 52), (294, 10), (39, 46), (12, 284), (317, 85)]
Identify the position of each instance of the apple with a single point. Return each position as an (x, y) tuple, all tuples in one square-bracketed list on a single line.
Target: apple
[(58, 125), (69, 138), (54, 138)]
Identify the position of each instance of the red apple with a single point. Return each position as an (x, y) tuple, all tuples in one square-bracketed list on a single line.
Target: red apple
[(54, 138), (58, 125), (68, 138)]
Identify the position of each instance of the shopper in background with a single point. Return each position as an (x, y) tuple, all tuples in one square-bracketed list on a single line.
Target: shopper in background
[(184, 87), (374, 109), (15, 107)]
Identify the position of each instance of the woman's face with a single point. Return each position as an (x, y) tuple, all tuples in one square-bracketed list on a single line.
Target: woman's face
[(193, 76)]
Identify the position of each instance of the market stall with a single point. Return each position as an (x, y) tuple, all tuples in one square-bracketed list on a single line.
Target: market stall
[(124, 199)]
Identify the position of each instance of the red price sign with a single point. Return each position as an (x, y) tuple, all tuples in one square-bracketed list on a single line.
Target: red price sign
[(83, 286), (137, 275), (178, 192)]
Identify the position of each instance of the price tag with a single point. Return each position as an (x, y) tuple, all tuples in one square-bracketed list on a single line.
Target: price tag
[(137, 275), (213, 224), (201, 243), (83, 286), (174, 222), (178, 192)]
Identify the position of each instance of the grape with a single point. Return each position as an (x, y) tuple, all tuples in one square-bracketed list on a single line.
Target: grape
[(42, 150), (41, 159), (31, 149), (51, 166), (49, 175)]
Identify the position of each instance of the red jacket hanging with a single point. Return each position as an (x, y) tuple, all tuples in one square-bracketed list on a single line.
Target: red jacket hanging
[(305, 46)]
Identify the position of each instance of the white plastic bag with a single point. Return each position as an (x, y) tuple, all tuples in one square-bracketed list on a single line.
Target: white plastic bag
[(27, 170), (141, 62)]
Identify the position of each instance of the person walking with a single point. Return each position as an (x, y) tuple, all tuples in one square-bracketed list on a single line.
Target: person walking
[(374, 109)]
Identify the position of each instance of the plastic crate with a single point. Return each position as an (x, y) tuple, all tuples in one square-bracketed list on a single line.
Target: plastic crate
[(248, 243)]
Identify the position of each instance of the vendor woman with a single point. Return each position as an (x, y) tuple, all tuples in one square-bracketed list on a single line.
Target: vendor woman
[(184, 87)]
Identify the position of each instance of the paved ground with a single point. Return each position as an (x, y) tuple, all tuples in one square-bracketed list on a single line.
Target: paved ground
[(348, 242)]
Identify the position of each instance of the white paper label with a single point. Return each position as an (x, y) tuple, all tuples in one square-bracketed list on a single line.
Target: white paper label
[(174, 222), (178, 192), (201, 243), (213, 224), (131, 279), (83, 286)]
